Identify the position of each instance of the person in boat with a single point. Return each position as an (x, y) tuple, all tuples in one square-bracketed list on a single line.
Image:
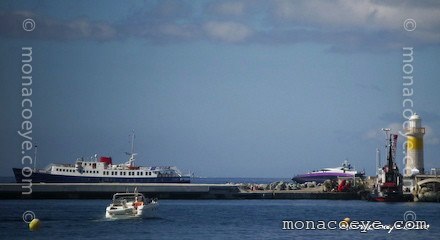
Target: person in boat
[(137, 202)]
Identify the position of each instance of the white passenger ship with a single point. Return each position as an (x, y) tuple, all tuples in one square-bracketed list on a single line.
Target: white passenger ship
[(97, 170)]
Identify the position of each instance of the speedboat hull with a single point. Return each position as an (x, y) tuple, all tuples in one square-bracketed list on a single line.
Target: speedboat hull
[(121, 212)]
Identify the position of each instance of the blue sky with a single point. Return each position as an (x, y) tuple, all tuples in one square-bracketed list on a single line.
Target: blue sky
[(219, 88)]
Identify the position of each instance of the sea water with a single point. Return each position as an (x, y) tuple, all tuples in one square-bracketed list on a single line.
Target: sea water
[(212, 219)]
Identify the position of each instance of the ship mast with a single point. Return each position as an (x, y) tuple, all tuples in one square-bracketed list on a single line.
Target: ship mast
[(132, 153), (390, 156), (132, 142)]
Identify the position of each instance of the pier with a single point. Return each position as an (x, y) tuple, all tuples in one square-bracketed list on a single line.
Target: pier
[(161, 191)]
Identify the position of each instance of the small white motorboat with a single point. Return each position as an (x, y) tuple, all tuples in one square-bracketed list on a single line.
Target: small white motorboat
[(130, 205)]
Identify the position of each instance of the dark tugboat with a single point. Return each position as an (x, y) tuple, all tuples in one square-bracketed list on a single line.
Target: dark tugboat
[(389, 182)]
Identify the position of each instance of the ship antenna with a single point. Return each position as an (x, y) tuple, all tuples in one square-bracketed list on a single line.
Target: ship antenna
[(35, 157), (132, 142), (132, 153)]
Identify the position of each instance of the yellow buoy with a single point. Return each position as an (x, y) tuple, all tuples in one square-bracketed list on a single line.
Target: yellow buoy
[(34, 224), (347, 220)]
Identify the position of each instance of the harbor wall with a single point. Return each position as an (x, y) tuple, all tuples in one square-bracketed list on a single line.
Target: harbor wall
[(161, 191)]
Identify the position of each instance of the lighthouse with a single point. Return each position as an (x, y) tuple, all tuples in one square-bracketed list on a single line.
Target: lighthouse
[(414, 146)]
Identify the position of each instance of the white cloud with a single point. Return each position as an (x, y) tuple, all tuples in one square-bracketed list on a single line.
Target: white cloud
[(343, 25), (363, 14), (227, 31)]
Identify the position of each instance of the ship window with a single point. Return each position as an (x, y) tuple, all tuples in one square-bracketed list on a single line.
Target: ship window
[(125, 173)]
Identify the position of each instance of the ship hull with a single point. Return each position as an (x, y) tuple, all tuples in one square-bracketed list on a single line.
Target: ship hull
[(391, 198), (53, 178)]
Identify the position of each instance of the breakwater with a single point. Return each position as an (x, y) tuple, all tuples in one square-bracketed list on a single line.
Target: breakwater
[(162, 191)]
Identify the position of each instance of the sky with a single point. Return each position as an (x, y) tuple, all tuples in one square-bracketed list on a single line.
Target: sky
[(218, 88)]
